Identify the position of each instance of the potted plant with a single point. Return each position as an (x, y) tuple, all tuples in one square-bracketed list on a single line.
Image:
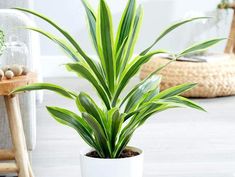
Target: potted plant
[(108, 127), (2, 42)]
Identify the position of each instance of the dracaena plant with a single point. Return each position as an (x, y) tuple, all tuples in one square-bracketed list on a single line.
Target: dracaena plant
[(108, 127)]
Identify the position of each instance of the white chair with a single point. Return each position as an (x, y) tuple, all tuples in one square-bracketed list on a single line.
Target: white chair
[(10, 21)]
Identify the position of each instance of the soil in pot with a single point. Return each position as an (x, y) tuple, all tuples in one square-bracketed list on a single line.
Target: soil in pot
[(125, 154)]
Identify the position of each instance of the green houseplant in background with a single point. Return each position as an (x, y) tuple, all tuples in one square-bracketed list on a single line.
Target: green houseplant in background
[(2, 42), (2, 46), (108, 128)]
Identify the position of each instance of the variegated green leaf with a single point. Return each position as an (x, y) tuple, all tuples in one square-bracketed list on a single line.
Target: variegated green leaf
[(126, 24), (104, 33), (46, 86), (132, 38), (131, 70), (52, 23), (91, 107), (82, 70), (170, 29), (201, 46), (142, 92), (117, 121), (174, 91), (71, 119), (62, 43), (92, 22), (98, 133), (184, 102)]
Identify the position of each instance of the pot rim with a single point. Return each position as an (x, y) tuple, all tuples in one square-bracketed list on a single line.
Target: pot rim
[(84, 151)]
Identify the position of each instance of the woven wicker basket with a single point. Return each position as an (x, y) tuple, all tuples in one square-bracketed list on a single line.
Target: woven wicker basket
[(214, 78)]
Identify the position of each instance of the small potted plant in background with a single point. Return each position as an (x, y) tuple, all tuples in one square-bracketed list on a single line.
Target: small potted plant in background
[(2, 44), (9, 71), (108, 127)]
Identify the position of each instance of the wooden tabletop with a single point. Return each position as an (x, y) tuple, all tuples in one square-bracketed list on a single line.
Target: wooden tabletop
[(8, 85)]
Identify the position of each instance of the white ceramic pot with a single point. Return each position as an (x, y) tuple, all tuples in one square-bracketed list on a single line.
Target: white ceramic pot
[(124, 167)]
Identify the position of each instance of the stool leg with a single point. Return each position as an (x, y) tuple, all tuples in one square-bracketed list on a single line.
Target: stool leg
[(17, 134), (31, 174)]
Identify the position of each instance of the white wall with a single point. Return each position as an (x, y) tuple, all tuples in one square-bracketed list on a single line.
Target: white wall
[(158, 15)]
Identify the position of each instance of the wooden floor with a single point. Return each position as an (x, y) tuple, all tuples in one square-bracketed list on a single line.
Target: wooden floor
[(177, 143)]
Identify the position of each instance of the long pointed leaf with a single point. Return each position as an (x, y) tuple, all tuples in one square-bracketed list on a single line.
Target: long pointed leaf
[(71, 119), (131, 70), (133, 37), (185, 102), (82, 70), (63, 44), (134, 100), (201, 46), (62, 31), (125, 25), (168, 30), (90, 106), (46, 86), (174, 91), (92, 22), (105, 42), (145, 80), (76, 56), (70, 39), (122, 143), (117, 121), (119, 56), (98, 132)]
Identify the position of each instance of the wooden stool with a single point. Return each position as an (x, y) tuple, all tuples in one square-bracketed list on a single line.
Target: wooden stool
[(230, 46), (19, 153)]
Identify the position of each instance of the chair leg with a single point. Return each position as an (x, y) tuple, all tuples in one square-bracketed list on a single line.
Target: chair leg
[(17, 134)]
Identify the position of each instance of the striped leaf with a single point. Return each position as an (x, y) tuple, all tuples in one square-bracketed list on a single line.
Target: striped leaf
[(71, 40), (98, 133), (142, 92), (104, 35), (62, 43), (46, 86), (131, 70), (52, 23), (92, 22), (76, 56), (183, 102), (117, 121), (152, 74), (82, 70), (170, 29), (91, 107), (174, 91), (126, 24), (71, 119), (119, 57), (201, 46), (132, 38)]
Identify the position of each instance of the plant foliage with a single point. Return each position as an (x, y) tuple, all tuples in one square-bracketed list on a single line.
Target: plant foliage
[(108, 128), (2, 42)]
